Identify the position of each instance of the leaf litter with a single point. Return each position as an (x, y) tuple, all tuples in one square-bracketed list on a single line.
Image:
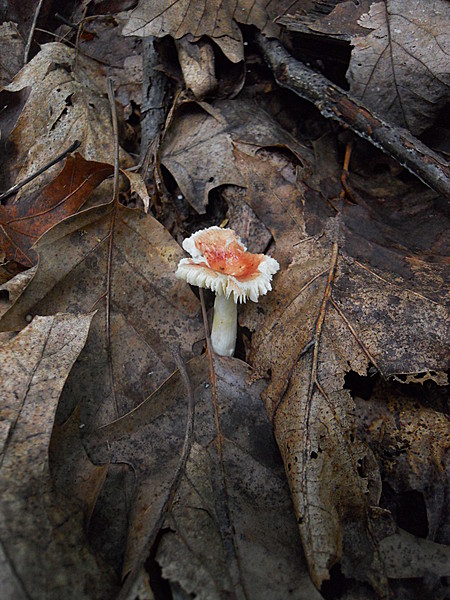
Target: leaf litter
[(138, 483)]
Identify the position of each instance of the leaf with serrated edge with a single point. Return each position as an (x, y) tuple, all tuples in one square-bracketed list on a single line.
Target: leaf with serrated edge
[(317, 323)]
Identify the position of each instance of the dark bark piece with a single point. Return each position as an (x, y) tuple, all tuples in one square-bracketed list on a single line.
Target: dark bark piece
[(155, 88), (335, 103)]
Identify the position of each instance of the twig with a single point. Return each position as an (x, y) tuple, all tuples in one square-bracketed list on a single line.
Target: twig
[(112, 102), (31, 34), (15, 188), (335, 103)]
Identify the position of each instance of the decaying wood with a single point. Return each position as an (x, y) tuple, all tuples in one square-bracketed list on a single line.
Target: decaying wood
[(155, 89), (335, 103)]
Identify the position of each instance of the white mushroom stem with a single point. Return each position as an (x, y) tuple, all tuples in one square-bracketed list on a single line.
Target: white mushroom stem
[(224, 328)]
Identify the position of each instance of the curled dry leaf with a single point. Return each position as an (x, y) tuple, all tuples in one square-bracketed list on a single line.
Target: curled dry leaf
[(121, 263), (400, 69), (66, 102), (41, 533), (329, 313), (216, 19), (228, 529), (23, 223)]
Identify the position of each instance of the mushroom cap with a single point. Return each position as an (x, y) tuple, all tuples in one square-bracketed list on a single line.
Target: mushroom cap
[(220, 262)]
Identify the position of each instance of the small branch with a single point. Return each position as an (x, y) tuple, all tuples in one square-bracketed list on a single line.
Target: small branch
[(32, 30), (15, 188), (335, 103), (112, 103)]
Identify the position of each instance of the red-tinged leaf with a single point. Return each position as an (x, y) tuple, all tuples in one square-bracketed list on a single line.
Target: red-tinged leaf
[(22, 224)]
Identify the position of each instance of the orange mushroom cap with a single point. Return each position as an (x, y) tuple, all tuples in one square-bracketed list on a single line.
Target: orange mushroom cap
[(220, 262)]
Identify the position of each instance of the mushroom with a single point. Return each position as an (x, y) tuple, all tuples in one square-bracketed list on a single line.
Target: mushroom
[(220, 262)]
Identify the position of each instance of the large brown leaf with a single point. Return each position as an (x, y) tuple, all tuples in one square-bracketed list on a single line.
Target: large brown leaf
[(121, 263), (330, 313), (44, 550), (228, 525), (23, 223), (216, 19)]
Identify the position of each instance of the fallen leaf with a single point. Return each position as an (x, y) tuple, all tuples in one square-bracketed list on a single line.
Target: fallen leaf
[(101, 40), (122, 263), (340, 23), (409, 557), (66, 103), (217, 20), (400, 69), (227, 523), (44, 547), (23, 223), (329, 313), (198, 146)]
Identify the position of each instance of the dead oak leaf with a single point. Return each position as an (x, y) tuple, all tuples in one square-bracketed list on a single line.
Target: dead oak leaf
[(23, 223), (217, 19), (198, 145), (400, 69)]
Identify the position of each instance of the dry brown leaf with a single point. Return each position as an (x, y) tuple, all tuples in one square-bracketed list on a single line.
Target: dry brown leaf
[(198, 151), (341, 22), (122, 263), (42, 538), (100, 39), (329, 313), (399, 62), (66, 102), (217, 19), (73, 474), (228, 527), (400, 69), (23, 223)]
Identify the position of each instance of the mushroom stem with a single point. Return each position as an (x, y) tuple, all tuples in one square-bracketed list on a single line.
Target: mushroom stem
[(224, 328)]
